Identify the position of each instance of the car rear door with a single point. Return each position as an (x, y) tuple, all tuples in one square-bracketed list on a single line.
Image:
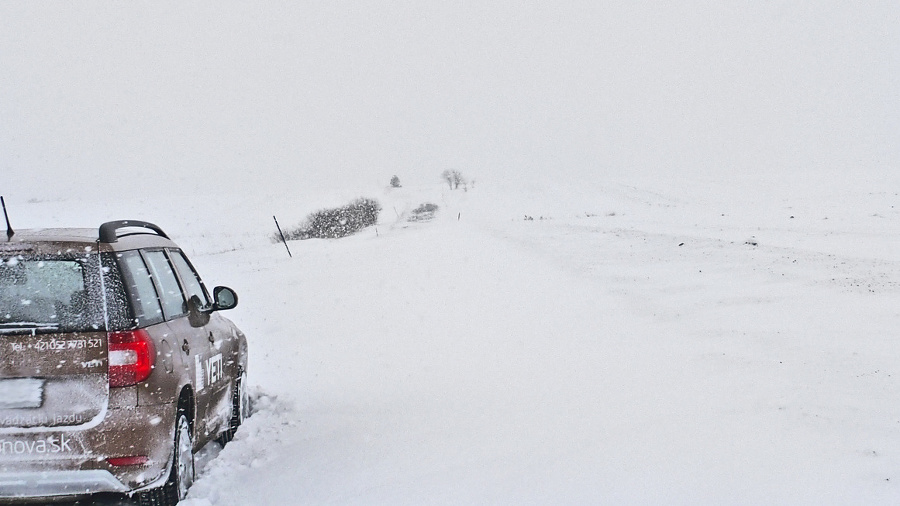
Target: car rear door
[(189, 339)]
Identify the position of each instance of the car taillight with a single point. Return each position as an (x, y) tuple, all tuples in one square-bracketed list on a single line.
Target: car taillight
[(131, 357)]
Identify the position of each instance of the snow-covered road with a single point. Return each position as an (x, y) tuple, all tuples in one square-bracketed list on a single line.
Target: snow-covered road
[(619, 357)]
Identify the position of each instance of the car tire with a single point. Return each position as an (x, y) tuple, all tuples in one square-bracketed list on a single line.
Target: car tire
[(240, 409), (181, 477)]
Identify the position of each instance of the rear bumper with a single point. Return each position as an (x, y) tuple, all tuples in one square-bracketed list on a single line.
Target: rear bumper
[(36, 466), (37, 486)]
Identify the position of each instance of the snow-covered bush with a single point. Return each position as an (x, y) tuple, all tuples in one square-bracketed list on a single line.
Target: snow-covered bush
[(424, 212), (337, 222)]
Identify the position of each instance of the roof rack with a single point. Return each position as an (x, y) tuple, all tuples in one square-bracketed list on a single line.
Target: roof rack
[(109, 230)]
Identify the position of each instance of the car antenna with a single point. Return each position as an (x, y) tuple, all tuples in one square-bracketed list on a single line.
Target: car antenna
[(9, 229)]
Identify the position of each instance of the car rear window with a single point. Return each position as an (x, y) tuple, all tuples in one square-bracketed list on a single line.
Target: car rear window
[(59, 294)]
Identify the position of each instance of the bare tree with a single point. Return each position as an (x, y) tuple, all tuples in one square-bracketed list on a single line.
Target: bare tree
[(458, 179), (448, 177), (454, 178)]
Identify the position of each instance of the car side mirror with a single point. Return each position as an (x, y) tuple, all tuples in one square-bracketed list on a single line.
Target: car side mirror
[(225, 298)]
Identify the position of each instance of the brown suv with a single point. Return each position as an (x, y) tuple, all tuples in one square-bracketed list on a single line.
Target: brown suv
[(115, 365)]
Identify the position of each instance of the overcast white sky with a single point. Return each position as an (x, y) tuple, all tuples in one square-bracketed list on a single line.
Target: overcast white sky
[(116, 93)]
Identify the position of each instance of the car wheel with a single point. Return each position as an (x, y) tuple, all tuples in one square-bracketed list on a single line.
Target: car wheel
[(182, 475), (240, 409)]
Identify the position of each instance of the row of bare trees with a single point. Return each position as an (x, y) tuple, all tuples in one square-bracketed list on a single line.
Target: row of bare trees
[(452, 177)]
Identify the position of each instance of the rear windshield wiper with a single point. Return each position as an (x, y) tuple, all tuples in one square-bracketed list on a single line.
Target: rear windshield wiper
[(10, 327)]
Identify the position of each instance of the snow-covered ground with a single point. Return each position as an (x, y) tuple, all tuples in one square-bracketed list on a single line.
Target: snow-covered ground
[(699, 303), (649, 342)]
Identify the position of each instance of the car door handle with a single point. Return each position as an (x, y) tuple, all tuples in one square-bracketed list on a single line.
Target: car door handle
[(186, 347)]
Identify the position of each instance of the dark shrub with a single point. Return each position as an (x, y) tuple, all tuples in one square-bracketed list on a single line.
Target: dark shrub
[(337, 222)]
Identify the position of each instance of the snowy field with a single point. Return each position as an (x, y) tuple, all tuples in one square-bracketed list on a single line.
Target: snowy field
[(649, 342)]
